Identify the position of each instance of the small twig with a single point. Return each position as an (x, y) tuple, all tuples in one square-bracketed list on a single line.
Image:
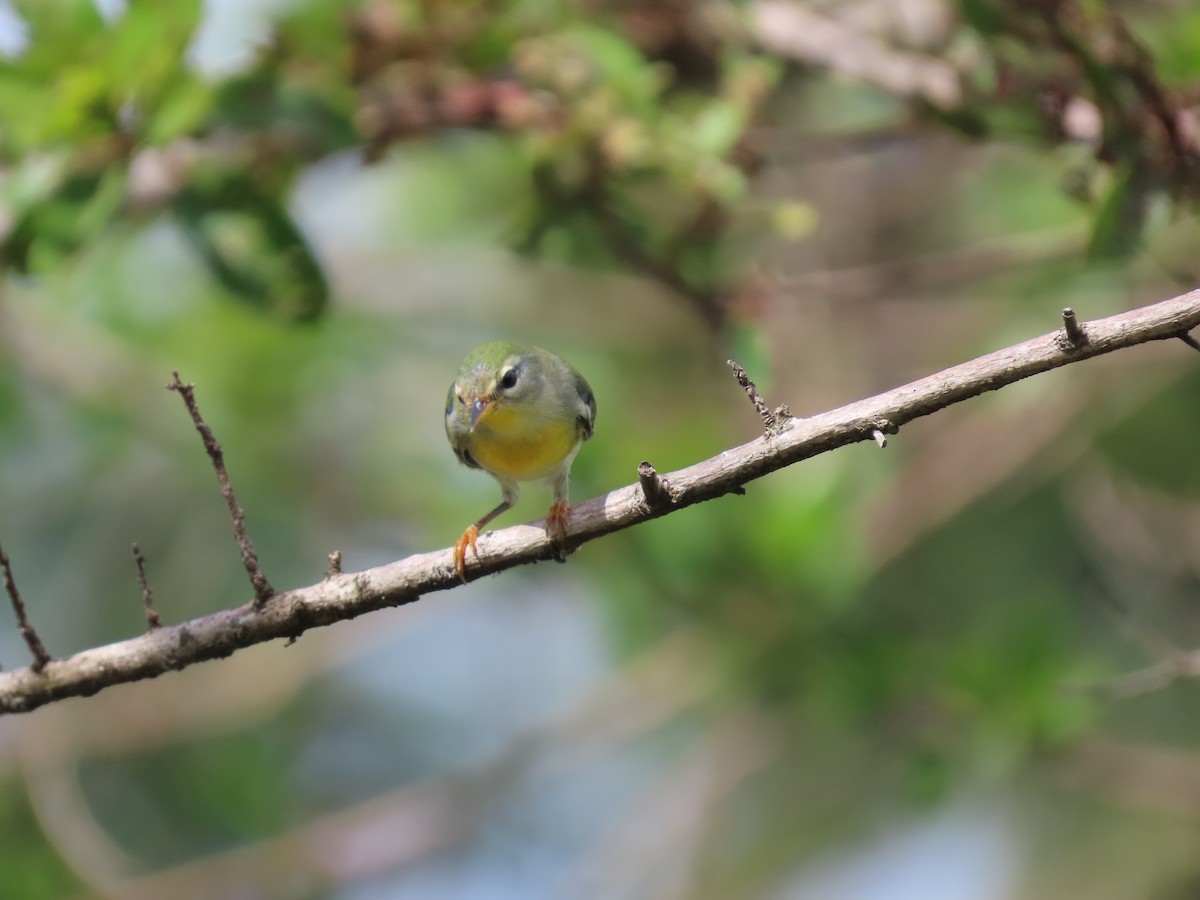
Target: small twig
[(335, 565), (883, 427), (262, 588), (771, 420), (36, 647), (1074, 336), (654, 486), (152, 618), (1190, 341)]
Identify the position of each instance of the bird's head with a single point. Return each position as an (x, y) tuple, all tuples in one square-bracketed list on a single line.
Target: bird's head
[(497, 376)]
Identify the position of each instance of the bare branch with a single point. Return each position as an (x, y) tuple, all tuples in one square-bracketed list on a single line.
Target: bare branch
[(1190, 341), (152, 618), (36, 647), (347, 596), (335, 565), (258, 580)]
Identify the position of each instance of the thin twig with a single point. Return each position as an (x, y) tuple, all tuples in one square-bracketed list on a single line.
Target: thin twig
[(152, 618), (258, 580), (881, 429), (654, 486), (1190, 341), (36, 647), (335, 565), (1073, 333), (770, 420), (406, 580)]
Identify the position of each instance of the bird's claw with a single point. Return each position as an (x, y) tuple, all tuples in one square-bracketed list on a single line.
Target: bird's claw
[(469, 538)]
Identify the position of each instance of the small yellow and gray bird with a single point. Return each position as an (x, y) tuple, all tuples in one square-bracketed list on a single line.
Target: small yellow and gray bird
[(520, 413)]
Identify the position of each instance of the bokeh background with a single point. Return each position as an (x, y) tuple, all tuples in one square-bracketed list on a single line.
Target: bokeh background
[(943, 670)]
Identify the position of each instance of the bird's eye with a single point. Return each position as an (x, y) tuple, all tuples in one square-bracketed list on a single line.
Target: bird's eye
[(508, 379), (459, 397)]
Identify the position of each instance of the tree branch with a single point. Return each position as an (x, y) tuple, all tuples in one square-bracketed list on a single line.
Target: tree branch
[(347, 595)]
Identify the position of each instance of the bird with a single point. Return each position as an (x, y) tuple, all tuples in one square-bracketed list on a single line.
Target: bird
[(519, 413)]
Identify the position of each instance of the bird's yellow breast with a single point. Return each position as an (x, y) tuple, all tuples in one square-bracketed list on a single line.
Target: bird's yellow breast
[(523, 447)]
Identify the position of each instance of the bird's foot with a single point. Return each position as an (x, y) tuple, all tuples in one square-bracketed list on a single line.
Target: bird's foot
[(469, 539), (556, 528)]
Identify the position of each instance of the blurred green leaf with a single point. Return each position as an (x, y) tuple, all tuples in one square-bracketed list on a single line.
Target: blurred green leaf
[(58, 25), (793, 220), (1117, 231), (150, 40), (251, 245), (1174, 40), (207, 795), (82, 78), (51, 230), (983, 16), (183, 111), (717, 128), (313, 116), (1149, 444), (32, 867)]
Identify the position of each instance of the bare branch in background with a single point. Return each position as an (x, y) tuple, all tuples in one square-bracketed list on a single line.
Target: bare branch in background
[(349, 595), (796, 32), (1152, 678)]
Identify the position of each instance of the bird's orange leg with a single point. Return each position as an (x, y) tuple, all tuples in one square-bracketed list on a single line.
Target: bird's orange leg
[(556, 526), (469, 538)]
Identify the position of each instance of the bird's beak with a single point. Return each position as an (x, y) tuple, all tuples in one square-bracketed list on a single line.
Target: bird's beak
[(480, 407)]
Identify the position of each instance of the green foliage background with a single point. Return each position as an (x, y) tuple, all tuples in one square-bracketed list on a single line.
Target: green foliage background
[(759, 697)]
